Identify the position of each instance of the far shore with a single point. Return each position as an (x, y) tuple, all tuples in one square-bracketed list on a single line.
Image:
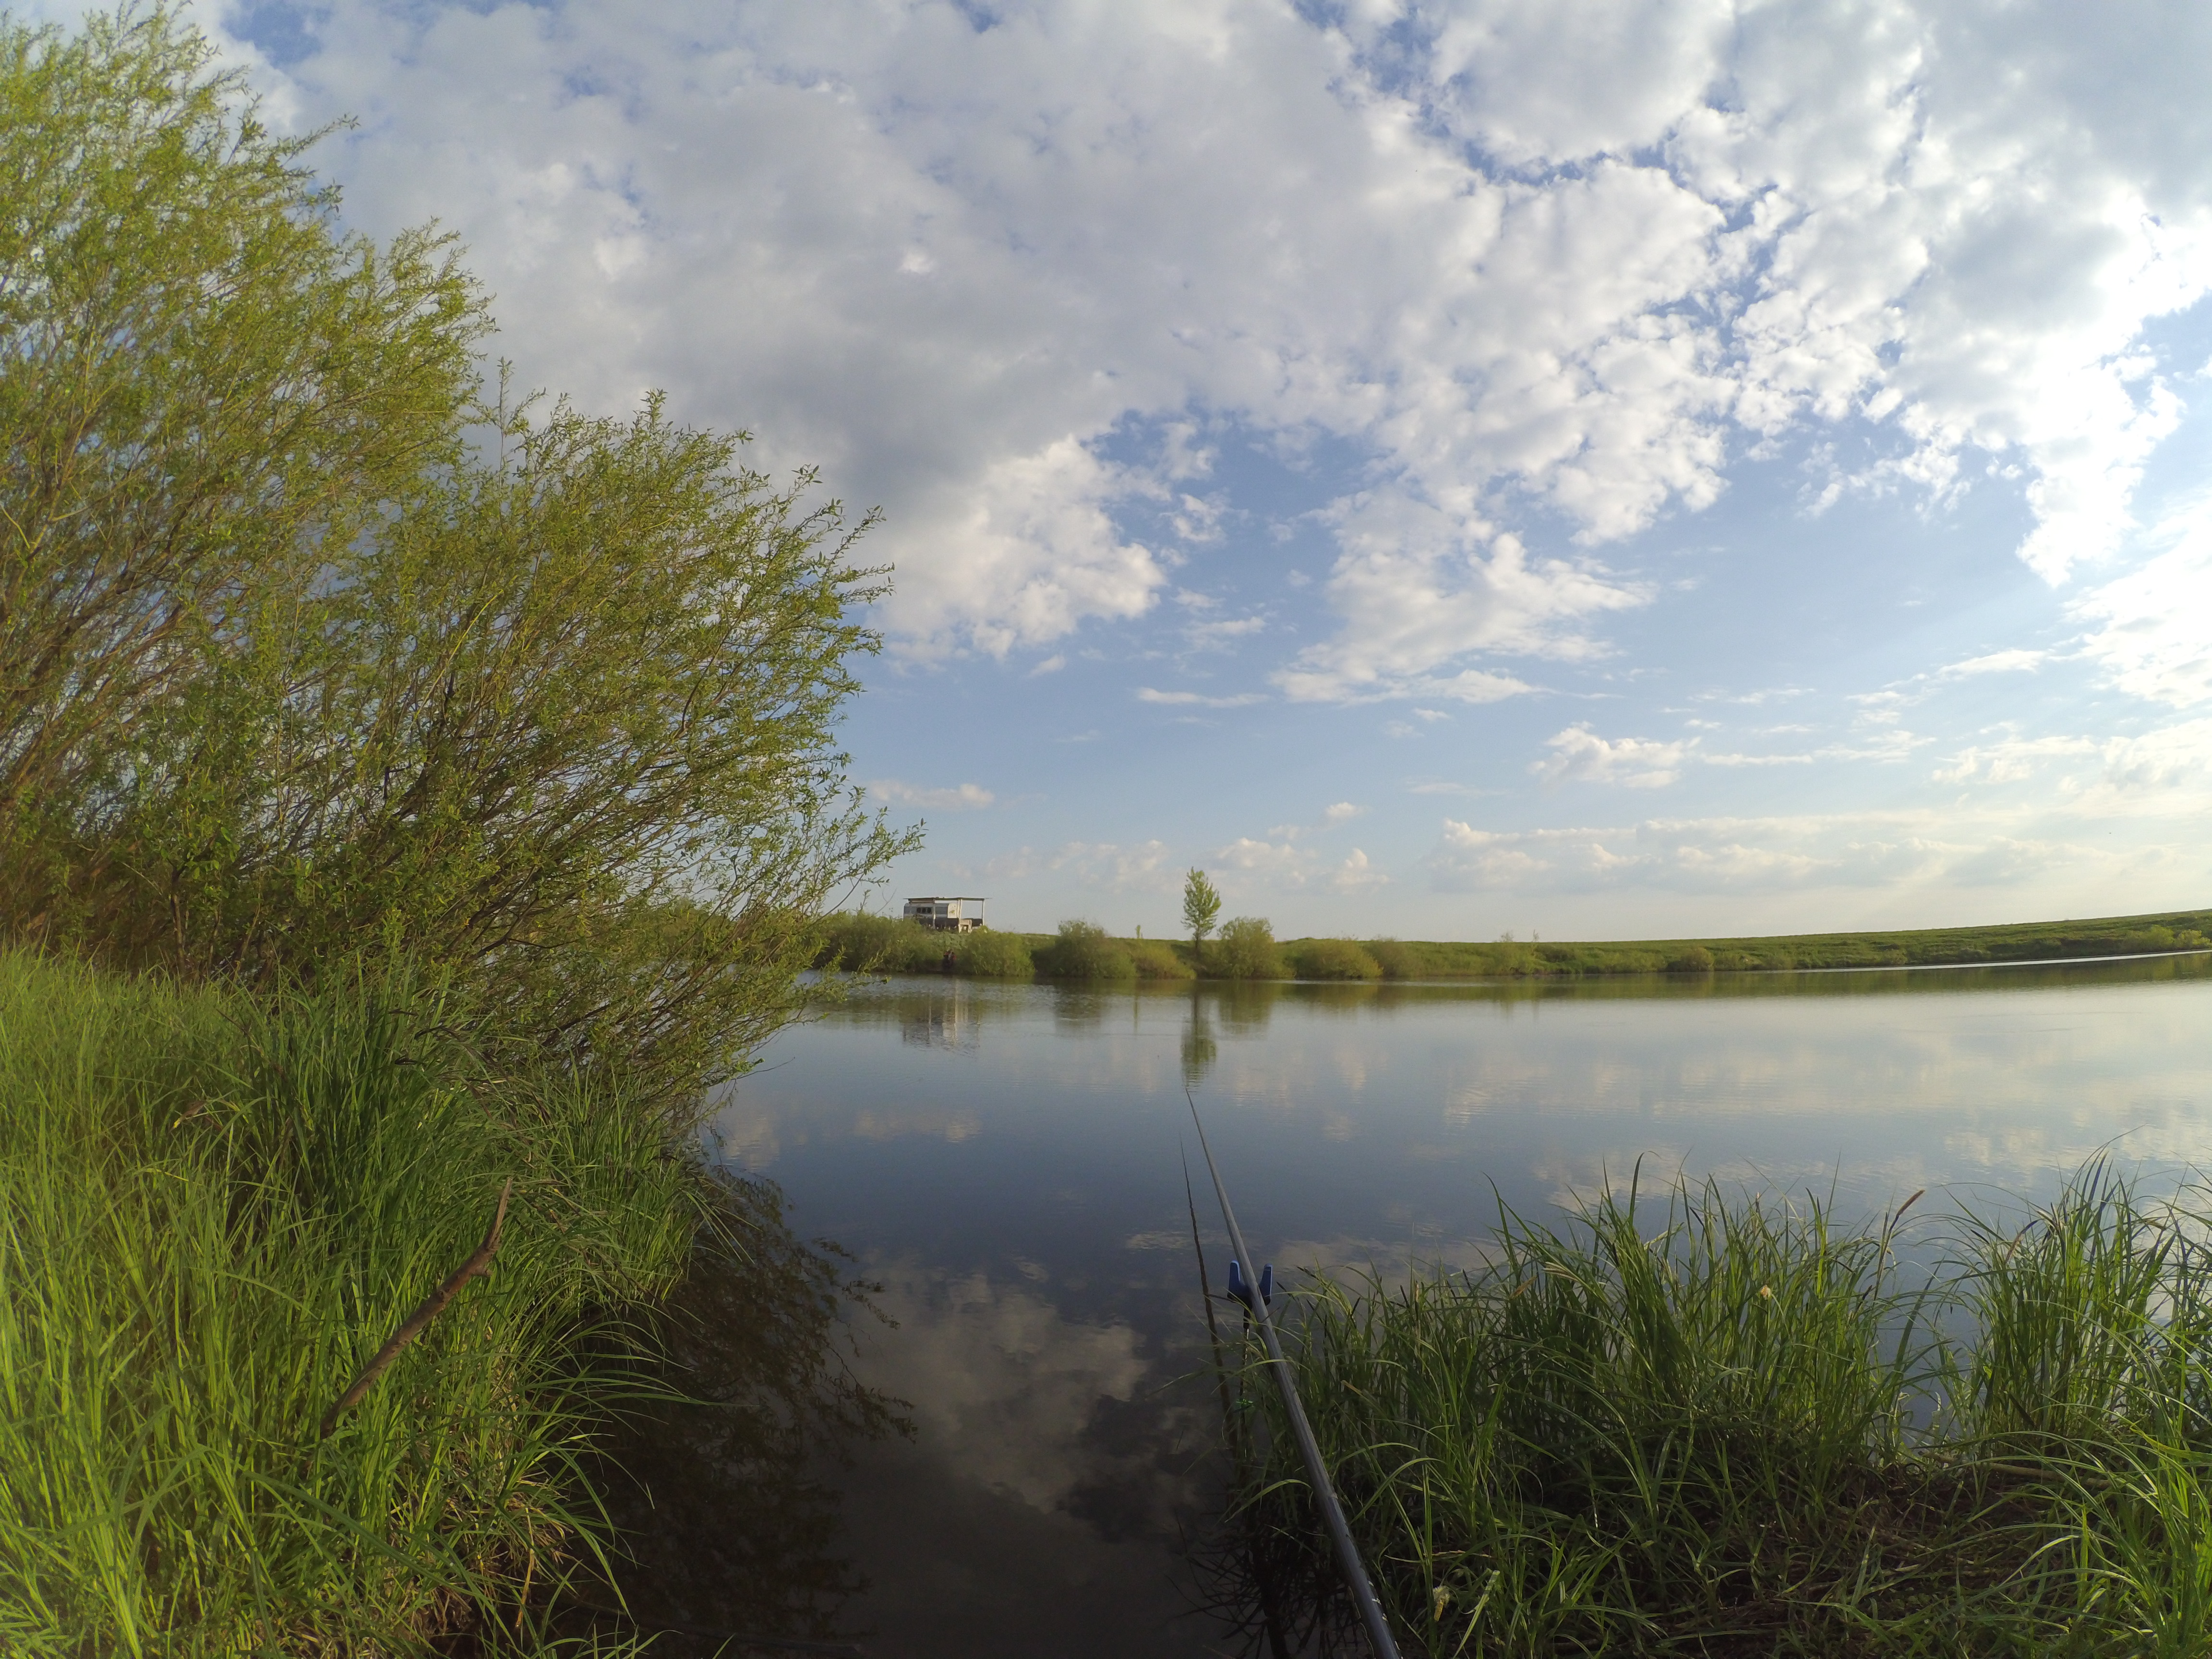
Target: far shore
[(883, 945)]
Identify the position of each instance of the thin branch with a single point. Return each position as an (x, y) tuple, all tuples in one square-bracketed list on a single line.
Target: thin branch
[(418, 1322)]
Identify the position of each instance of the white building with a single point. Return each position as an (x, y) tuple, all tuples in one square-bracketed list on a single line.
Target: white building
[(946, 915)]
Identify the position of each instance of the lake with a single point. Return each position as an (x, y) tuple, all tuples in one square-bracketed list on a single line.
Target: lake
[(1007, 1163)]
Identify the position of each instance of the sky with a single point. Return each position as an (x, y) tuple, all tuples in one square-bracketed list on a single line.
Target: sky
[(1445, 467)]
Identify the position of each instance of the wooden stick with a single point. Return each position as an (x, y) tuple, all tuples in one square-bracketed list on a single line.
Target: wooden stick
[(417, 1321)]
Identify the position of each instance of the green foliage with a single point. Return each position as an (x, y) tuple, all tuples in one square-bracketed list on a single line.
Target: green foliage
[(1201, 908), (862, 942), (1081, 950), (213, 1210), (988, 955), (204, 388), (288, 670), (1246, 949), (1394, 958), (1331, 958), (1736, 1426), (1155, 958), (2019, 942)]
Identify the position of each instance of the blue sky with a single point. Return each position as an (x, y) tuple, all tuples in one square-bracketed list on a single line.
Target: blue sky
[(1446, 468)]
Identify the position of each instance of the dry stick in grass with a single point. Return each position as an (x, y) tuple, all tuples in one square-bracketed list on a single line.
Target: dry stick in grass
[(433, 1305)]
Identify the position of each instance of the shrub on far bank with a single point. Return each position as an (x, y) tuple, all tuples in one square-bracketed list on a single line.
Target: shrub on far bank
[(1245, 948), (987, 955), (1695, 960), (1394, 958), (1332, 958), (862, 943), (1155, 958), (1082, 951)]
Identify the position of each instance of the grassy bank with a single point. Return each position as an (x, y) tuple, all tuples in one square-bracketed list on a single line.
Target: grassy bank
[(889, 945), (2110, 936), (1710, 1424), (213, 1210)]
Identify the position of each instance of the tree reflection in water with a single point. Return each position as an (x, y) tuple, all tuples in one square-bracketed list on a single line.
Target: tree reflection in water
[(723, 1496)]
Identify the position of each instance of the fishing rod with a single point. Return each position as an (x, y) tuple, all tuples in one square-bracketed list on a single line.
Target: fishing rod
[(1254, 1297)]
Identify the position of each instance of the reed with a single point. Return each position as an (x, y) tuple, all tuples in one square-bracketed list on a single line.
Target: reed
[(213, 1210), (1703, 1421)]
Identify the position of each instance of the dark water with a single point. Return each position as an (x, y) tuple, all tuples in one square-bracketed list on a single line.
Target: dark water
[(1007, 1162)]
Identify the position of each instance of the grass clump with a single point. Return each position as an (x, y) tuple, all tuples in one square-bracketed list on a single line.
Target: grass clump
[(213, 1210), (1722, 1425)]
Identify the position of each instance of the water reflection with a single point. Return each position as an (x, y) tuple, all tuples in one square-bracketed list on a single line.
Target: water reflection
[(726, 1501), (1048, 1464), (1007, 1162)]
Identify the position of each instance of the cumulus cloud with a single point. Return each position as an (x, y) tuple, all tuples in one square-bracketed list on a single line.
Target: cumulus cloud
[(1356, 874), (1579, 755), (1556, 259), (1270, 863), (2153, 636)]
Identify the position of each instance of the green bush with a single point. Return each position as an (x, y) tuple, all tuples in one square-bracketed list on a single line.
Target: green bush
[(1332, 958), (861, 942), (988, 955), (1395, 959), (1155, 958), (1082, 951), (1245, 948), (1694, 959)]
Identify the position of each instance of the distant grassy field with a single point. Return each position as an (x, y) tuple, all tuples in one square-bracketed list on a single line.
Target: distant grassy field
[(2030, 941), (886, 945)]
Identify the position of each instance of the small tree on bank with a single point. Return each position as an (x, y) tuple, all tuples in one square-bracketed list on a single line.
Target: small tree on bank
[(1201, 908)]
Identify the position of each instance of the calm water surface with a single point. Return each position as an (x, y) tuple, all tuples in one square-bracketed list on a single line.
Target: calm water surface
[(1007, 1162)]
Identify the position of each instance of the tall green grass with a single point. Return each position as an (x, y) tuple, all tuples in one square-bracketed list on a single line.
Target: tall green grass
[(1708, 1422), (213, 1210)]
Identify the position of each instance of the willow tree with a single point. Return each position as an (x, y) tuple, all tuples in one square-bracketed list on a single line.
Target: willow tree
[(306, 652)]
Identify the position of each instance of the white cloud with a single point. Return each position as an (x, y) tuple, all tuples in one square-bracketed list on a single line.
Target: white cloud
[(1532, 259), (2014, 661), (1356, 874), (1198, 700), (2165, 761), (966, 797), (2009, 761), (1103, 866), (1579, 755), (1342, 811), (2154, 638), (1280, 864), (1742, 857)]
